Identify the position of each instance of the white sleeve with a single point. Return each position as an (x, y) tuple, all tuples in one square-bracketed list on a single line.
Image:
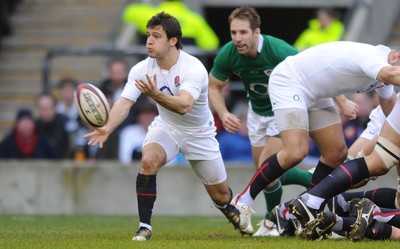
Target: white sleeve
[(385, 91), (130, 90)]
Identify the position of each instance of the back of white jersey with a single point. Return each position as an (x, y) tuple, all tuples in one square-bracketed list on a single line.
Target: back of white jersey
[(336, 68), (189, 75)]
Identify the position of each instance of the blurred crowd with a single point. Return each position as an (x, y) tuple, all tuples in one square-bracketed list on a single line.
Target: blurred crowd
[(53, 130)]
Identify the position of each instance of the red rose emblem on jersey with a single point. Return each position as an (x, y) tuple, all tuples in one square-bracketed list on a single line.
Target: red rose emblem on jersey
[(177, 81)]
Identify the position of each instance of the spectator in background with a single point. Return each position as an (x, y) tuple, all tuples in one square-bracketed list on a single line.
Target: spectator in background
[(52, 125), (195, 28), (65, 103), (116, 78), (326, 27), (24, 141), (236, 147), (132, 136)]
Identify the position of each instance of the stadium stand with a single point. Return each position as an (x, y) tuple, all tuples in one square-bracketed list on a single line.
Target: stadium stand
[(39, 25)]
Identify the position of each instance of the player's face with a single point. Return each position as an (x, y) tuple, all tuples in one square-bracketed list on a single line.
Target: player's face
[(244, 38), (158, 43)]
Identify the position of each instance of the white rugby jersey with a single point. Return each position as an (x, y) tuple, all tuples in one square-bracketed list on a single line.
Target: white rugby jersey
[(188, 74), (335, 68)]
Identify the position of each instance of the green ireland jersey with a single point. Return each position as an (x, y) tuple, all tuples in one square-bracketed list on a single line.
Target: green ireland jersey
[(254, 72)]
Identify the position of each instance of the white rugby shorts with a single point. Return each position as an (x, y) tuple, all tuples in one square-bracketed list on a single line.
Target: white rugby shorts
[(260, 128)]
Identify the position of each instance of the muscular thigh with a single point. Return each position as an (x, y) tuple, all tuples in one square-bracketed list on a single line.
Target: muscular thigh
[(211, 172), (326, 129), (160, 139)]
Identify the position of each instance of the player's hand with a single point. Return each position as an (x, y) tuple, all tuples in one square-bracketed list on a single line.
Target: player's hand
[(150, 87), (231, 122), (97, 137), (349, 109)]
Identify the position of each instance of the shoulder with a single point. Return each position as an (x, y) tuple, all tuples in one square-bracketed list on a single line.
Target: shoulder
[(190, 63)]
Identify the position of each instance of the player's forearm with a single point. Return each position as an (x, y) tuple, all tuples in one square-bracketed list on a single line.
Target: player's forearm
[(217, 101), (118, 114), (180, 104)]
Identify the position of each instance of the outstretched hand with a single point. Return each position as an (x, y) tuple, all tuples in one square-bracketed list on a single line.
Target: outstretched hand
[(231, 122), (97, 137)]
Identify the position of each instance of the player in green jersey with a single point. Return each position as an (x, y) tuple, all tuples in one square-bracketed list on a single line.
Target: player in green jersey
[(252, 56)]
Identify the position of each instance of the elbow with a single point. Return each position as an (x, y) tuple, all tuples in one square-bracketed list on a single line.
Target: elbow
[(183, 110)]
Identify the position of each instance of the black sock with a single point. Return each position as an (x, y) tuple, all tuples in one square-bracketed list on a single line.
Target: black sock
[(321, 171), (379, 231), (341, 179), (146, 191), (347, 223), (389, 216), (268, 172), (382, 197)]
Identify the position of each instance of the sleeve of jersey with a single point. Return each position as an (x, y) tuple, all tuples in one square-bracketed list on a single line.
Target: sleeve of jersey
[(385, 91), (221, 68), (130, 90), (194, 82), (372, 63)]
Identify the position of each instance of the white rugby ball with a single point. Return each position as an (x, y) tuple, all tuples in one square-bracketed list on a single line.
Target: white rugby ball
[(92, 104)]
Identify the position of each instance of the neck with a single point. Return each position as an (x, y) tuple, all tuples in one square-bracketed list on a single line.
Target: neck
[(169, 60)]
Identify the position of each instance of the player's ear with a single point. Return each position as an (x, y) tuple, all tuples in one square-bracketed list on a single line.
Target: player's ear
[(173, 41)]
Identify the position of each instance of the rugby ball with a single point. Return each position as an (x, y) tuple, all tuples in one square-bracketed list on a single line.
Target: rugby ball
[(92, 104)]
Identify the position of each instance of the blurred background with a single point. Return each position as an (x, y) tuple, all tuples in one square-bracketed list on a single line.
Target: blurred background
[(47, 47)]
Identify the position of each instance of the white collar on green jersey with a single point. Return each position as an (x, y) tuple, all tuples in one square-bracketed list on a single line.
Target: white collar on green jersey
[(260, 43)]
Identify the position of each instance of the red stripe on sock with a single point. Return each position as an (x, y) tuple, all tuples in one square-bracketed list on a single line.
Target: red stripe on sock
[(259, 171), (373, 195), (348, 173), (146, 194)]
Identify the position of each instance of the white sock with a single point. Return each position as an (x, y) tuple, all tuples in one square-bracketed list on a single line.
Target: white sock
[(312, 201), (145, 225), (245, 199)]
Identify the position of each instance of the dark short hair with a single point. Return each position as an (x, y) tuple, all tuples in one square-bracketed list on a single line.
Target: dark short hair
[(24, 113), (170, 25), (246, 13), (65, 81)]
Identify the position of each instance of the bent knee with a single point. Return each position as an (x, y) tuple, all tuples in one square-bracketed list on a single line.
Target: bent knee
[(150, 165), (295, 156), (335, 157)]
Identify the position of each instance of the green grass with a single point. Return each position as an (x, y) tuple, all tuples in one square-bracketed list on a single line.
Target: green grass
[(24, 231)]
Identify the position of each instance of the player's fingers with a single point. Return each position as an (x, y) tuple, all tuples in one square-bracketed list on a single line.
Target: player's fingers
[(89, 135)]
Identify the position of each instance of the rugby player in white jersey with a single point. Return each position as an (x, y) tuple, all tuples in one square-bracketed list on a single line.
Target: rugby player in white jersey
[(301, 90), (178, 82)]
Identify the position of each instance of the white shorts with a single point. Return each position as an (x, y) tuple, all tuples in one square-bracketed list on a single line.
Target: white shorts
[(374, 126), (201, 149), (260, 128), (295, 109), (285, 93)]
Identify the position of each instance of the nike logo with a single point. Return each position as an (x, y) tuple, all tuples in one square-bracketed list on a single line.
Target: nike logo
[(321, 232), (310, 215)]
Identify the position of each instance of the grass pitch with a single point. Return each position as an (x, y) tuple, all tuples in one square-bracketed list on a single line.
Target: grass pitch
[(24, 231)]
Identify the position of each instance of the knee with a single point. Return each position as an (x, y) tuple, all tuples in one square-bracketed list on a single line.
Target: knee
[(336, 156), (149, 165), (295, 156)]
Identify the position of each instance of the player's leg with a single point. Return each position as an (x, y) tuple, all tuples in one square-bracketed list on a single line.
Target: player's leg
[(262, 132), (213, 175), (198, 147), (294, 123), (158, 149), (327, 132), (385, 155)]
